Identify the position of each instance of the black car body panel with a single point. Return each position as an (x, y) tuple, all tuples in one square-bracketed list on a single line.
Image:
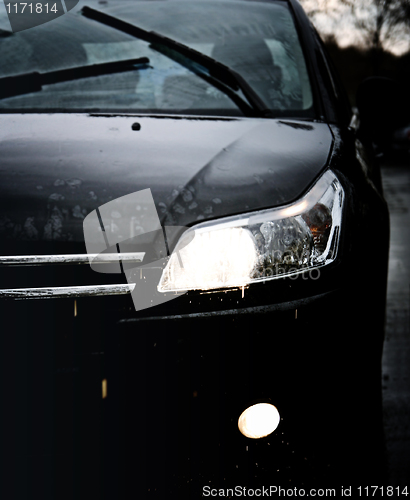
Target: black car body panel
[(70, 165), (107, 402)]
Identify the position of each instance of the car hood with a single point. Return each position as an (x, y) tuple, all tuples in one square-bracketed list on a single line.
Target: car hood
[(57, 168)]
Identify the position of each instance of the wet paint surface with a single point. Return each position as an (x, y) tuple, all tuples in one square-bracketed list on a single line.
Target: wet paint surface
[(58, 168)]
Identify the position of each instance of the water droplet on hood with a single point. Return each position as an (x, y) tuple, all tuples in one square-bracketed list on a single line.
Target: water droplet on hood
[(74, 183), (77, 212), (56, 197)]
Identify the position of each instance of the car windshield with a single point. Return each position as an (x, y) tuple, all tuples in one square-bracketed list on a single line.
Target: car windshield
[(258, 40)]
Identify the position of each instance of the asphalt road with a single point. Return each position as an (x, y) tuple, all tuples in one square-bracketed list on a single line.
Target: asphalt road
[(396, 353)]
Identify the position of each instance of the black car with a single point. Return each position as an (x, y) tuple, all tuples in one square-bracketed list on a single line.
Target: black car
[(257, 193)]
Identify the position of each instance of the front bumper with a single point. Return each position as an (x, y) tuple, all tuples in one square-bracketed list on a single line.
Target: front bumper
[(175, 385), (180, 383)]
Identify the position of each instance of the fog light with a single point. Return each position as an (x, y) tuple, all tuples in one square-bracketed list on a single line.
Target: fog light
[(259, 420)]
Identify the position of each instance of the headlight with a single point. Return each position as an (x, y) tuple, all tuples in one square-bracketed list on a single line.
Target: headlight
[(260, 246)]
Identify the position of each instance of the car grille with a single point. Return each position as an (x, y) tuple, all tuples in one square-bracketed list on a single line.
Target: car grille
[(71, 291)]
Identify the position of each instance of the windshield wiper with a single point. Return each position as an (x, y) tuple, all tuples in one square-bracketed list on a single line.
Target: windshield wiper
[(218, 72), (27, 83)]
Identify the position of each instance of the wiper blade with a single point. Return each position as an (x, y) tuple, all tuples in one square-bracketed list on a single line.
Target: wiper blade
[(27, 83), (217, 70)]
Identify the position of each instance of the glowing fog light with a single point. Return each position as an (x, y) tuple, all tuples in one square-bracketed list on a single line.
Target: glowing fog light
[(259, 420)]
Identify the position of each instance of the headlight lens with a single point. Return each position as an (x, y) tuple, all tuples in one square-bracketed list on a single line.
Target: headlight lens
[(260, 246)]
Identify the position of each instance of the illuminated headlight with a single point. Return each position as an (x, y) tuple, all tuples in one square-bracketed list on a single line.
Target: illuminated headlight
[(259, 246), (259, 420)]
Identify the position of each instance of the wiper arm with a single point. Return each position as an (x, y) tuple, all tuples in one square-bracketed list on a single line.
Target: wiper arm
[(27, 83), (217, 70)]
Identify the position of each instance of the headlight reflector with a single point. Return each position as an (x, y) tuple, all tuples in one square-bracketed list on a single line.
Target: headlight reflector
[(261, 245)]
